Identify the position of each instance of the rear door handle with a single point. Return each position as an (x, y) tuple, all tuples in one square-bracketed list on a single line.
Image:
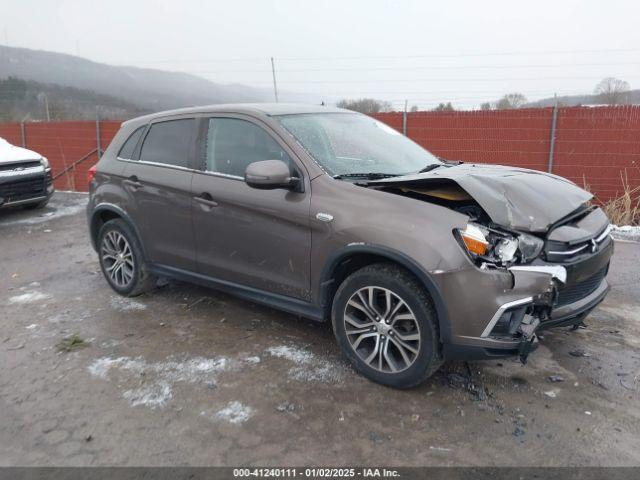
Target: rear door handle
[(206, 200), (133, 183)]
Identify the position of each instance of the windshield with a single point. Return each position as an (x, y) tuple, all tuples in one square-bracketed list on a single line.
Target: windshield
[(348, 143)]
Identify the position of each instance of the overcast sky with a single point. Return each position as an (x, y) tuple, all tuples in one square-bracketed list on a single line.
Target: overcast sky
[(465, 51)]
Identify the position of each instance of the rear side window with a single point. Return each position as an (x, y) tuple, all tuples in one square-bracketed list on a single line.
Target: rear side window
[(129, 146), (169, 142)]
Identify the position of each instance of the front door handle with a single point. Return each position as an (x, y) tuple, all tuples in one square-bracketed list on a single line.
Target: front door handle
[(206, 200), (133, 182)]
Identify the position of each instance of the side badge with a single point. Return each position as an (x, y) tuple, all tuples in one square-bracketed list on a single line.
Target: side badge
[(324, 217)]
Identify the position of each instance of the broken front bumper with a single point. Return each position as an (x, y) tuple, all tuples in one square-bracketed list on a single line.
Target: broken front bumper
[(505, 309)]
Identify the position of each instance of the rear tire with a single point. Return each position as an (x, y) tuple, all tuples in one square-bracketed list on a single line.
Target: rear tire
[(121, 259), (386, 325)]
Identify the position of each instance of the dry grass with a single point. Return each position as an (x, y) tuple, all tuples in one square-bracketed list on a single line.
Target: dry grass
[(625, 208)]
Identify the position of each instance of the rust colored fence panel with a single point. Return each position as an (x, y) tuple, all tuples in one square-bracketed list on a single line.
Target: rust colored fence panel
[(594, 146), (64, 144)]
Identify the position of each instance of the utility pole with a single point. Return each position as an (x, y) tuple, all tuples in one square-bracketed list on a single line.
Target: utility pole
[(275, 86), (554, 124), (404, 119), (46, 106)]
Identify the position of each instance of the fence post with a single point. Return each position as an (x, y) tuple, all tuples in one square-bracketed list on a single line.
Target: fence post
[(98, 145), (552, 143), (404, 119), (23, 132)]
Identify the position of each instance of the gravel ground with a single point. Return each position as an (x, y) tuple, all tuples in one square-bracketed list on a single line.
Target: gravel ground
[(189, 376)]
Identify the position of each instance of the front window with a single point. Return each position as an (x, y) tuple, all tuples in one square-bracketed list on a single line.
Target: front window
[(233, 144), (346, 143)]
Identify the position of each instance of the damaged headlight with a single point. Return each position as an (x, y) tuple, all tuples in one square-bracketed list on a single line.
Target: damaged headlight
[(497, 246), (488, 244), (530, 247)]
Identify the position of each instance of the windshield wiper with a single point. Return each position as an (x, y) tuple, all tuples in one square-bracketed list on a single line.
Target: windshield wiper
[(445, 163), (430, 167), (367, 175)]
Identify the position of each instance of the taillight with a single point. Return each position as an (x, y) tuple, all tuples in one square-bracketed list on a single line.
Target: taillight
[(91, 174)]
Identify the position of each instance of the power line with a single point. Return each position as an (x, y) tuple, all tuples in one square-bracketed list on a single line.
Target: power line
[(387, 57), (437, 67)]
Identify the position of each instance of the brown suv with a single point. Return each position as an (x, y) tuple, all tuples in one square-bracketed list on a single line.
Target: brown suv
[(332, 215)]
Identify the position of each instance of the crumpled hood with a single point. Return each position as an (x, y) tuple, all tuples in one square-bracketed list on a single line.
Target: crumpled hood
[(10, 153), (515, 198)]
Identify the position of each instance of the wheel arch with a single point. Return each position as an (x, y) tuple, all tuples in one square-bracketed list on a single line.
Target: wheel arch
[(102, 214), (350, 258)]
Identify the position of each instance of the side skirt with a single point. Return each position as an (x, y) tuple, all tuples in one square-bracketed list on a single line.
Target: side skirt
[(279, 302)]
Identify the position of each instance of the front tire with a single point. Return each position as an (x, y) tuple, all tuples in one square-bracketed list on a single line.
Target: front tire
[(386, 325), (121, 259)]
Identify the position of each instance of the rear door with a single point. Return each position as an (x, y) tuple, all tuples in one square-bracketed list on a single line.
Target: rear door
[(256, 238), (159, 185)]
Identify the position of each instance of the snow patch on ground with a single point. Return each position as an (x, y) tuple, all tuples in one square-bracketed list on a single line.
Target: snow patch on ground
[(308, 366), (153, 396), (235, 412), (252, 360), (28, 297), (123, 304), (77, 206), (160, 376), (626, 232)]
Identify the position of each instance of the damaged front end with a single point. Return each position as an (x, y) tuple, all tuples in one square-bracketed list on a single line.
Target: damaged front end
[(539, 253)]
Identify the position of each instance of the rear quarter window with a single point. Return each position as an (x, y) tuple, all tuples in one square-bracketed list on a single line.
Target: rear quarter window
[(127, 150)]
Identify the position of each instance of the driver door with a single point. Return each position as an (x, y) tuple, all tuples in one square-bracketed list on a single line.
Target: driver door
[(255, 238)]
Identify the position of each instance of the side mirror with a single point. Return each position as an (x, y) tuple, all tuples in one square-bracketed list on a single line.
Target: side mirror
[(269, 174)]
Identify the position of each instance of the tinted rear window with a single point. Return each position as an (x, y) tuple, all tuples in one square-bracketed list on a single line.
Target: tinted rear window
[(129, 146), (169, 142)]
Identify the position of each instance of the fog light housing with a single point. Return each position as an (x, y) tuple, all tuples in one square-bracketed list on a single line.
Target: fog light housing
[(509, 321)]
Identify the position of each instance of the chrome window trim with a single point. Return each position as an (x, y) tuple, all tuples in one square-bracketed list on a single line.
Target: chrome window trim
[(158, 164), (220, 174), (500, 311)]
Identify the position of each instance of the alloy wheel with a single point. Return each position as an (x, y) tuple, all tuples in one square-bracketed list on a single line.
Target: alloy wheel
[(117, 258), (381, 329)]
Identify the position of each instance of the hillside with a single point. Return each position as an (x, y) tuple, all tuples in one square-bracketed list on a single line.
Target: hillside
[(148, 89), (26, 100), (633, 97)]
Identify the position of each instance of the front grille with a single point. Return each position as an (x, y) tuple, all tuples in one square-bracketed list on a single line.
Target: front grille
[(560, 252), (577, 291), (19, 165), (23, 189)]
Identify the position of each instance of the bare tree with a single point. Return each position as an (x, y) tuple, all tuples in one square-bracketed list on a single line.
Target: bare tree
[(511, 100), (612, 91), (414, 108), (486, 106), (365, 105), (444, 107)]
